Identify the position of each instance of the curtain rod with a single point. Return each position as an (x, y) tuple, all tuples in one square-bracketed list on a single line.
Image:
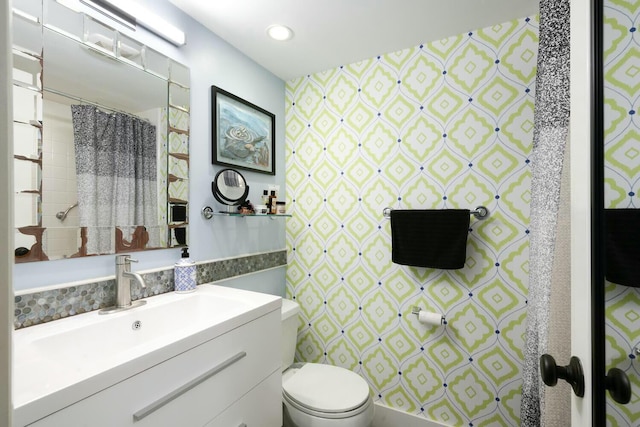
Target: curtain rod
[(95, 104)]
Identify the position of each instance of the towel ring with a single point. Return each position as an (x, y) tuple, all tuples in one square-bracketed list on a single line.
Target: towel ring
[(481, 212)]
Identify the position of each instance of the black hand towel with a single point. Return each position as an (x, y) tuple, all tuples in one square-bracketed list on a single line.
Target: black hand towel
[(430, 238), (623, 246)]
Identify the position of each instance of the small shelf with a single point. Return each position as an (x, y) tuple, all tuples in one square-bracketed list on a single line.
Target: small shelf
[(253, 215), (208, 213)]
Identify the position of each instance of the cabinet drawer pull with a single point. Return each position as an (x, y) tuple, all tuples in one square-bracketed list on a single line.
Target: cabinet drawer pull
[(149, 409)]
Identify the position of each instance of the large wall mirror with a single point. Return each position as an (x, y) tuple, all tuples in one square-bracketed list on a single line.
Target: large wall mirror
[(101, 135), (617, 148)]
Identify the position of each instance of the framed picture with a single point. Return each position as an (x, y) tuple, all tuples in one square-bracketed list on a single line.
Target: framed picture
[(243, 134)]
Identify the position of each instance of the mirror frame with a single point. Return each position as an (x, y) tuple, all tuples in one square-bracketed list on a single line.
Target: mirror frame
[(223, 198), (598, 232)]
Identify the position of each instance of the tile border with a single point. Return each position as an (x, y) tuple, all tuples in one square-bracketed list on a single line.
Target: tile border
[(53, 304)]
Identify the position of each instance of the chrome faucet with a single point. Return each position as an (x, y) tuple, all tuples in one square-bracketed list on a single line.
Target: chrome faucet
[(124, 275)]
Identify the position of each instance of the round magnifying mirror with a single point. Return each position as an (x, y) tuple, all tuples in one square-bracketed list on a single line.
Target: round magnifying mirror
[(229, 187)]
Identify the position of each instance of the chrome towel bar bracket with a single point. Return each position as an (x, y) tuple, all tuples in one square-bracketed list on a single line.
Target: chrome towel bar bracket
[(480, 212)]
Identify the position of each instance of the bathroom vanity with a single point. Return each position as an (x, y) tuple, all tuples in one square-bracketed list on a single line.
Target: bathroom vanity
[(210, 358)]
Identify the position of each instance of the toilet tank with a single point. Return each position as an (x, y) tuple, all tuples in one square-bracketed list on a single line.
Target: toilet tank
[(290, 310)]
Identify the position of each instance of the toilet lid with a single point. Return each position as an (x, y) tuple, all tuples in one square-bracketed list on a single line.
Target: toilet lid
[(326, 388)]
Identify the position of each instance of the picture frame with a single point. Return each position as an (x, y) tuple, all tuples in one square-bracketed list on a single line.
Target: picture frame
[(242, 134)]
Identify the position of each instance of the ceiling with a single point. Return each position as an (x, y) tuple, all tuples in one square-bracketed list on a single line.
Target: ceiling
[(330, 33)]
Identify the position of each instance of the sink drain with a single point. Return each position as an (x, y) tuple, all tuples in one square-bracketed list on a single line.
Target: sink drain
[(136, 325)]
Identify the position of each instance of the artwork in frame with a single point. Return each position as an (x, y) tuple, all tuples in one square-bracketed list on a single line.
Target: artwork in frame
[(243, 134)]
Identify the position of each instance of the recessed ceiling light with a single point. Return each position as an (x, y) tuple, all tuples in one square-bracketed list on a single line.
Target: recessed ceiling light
[(280, 32)]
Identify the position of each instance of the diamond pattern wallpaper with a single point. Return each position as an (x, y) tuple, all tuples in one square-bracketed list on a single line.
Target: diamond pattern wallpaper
[(622, 176), (446, 124)]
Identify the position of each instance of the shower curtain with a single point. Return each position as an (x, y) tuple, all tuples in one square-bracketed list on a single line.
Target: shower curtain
[(551, 127), (116, 172)]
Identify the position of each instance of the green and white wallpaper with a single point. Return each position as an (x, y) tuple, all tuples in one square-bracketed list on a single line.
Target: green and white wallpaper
[(622, 178), (447, 124)]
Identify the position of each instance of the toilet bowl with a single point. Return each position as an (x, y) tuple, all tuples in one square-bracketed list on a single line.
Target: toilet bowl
[(319, 395)]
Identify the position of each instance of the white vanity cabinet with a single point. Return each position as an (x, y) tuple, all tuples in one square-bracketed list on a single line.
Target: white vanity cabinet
[(260, 407), (214, 383)]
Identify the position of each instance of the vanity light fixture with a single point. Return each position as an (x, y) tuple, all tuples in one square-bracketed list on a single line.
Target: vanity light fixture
[(280, 32), (162, 28), (130, 15), (112, 12), (103, 8)]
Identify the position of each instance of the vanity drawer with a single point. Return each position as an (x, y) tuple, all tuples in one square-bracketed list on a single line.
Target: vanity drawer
[(261, 407), (189, 389)]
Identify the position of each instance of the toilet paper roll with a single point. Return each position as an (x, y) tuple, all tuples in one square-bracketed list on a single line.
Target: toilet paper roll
[(429, 318)]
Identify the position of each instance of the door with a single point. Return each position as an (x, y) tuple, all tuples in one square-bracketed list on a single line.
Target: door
[(580, 159), (605, 174)]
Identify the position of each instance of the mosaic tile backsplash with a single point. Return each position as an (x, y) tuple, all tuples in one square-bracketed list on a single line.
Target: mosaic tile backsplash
[(447, 124), (40, 307), (622, 182)]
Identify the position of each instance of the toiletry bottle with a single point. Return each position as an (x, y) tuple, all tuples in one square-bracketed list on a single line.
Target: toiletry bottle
[(272, 202), (185, 273)]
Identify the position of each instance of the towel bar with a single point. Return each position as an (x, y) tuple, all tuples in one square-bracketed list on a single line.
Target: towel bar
[(480, 212)]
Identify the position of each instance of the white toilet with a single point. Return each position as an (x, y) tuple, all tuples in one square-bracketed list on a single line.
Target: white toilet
[(318, 395)]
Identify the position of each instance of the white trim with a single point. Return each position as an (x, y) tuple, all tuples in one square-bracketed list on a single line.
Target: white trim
[(6, 214), (580, 135), (385, 416)]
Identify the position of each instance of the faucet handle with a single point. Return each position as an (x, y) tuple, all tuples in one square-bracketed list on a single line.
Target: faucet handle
[(124, 259)]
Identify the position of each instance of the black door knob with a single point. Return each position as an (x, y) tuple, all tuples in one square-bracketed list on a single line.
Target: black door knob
[(619, 386), (572, 373)]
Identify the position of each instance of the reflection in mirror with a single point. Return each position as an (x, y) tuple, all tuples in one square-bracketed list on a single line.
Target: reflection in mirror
[(117, 81), (229, 187), (620, 179), (116, 172)]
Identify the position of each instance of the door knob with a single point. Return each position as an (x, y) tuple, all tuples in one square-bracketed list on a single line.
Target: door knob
[(619, 386), (572, 373)]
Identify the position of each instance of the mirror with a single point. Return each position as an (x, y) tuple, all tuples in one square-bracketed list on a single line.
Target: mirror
[(616, 215), (229, 187), (66, 60)]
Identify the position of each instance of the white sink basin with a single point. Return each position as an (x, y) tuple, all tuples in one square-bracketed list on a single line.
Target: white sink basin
[(125, 333), (57, 363)]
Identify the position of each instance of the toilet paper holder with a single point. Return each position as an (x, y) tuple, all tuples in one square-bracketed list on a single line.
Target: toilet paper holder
[(416, 310)]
